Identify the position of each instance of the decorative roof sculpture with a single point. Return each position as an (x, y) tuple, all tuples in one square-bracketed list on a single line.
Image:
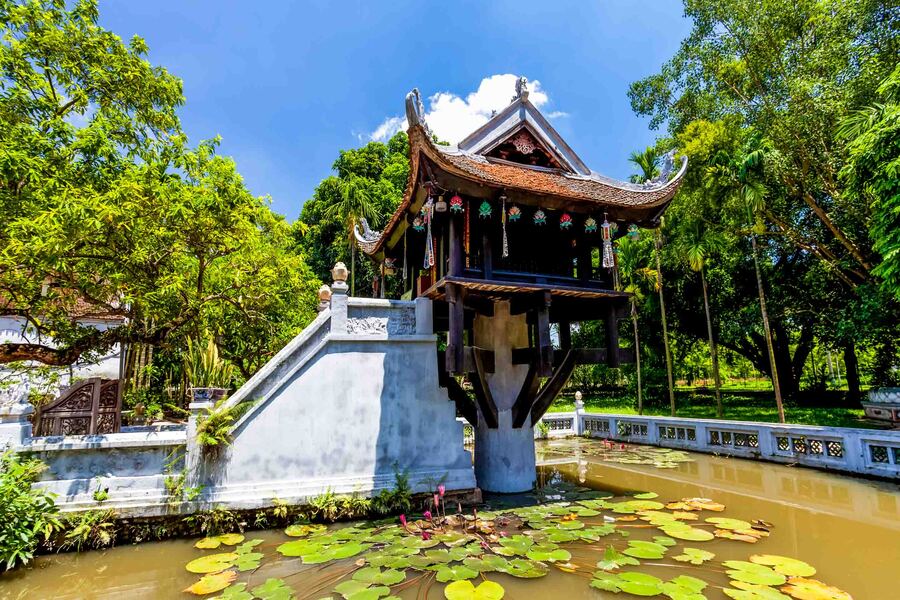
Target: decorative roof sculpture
[(519, 151)]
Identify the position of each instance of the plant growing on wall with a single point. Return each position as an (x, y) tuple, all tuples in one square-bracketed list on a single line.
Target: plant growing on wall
[(214, 427), (27, 516), (203, 366)]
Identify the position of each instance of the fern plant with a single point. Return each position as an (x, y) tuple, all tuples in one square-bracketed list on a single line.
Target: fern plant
[(214, 426), (204, 367)]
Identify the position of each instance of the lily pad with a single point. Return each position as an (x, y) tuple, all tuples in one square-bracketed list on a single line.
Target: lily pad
[(695, 556), (749, 591), (357, 590), (487, 563), (646, 496), (642, 549), (613, 559), (248, 561), (212, 583), (683, 531), (447, 573), (639, 584), (784, 565), (548, 553), (726, 523), (273, 589), (247, 547), (525, 569), (303, 530), (749, 572), (466, 590), (236, 591), (374, 575), (212, 563), (802, 588)]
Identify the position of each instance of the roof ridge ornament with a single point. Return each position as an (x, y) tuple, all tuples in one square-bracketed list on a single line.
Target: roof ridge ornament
[(415, 110), (521, 89), (668, 165)]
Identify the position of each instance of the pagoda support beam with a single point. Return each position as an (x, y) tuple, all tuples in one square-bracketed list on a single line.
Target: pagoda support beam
[(553, 387), (544, 344), (612, 337), (455, 349)]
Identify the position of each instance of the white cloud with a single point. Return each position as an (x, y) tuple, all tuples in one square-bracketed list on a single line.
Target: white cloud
[(452, 117)]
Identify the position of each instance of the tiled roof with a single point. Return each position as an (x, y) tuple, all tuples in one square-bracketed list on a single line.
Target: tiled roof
[(595, 189)]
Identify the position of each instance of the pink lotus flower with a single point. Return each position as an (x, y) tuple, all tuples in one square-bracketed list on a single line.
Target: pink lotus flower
[(622, 447), (426, 536), (403, 520), (437, 501), (427, 515), (441, 490), (503, 534)]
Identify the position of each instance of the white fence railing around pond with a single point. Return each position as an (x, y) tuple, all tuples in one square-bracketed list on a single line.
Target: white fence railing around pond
[(862, 451)]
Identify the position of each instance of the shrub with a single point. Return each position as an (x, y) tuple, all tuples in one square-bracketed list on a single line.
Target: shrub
[(91, 529), (27, 516)]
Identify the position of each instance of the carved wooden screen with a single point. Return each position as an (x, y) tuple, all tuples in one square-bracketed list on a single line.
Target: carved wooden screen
[(88, 407)]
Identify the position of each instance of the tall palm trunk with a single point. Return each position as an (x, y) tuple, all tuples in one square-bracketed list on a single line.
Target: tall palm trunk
[(662, 309), (352, 269), (637, 356), (765, 318), (713, 350)]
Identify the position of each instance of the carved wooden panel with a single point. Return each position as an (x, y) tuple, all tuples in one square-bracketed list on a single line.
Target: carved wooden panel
[(85, 408)]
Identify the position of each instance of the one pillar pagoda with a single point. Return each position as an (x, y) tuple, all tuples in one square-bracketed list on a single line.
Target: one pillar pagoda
[(508, 232)]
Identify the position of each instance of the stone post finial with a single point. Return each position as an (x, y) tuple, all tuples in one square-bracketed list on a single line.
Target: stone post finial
[(579, 413), (339, 273), (324, 297)]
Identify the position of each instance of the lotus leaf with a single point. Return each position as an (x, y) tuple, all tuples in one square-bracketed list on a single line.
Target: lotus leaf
[(570, 525), (647, 496), (212, 583), (641, 549), (606, 582), (417, 542), (639, 584), (594, 533), (633, 506), (299, 548), (237, 591), (303, 530), (694, 556), (726, 523), (613, 559), (750, 591), (487, 563), (447, 573), (560, 536), (358, 590), (517, 544), (465, 590), (683, 531), (273, 589), (248, 561), (208, 543), (749, 572), (375, 575), (548, 553), (784, 565), (525, 569), (452, 539), (663, 540), (212, 563), (247, 547), (802, 588)]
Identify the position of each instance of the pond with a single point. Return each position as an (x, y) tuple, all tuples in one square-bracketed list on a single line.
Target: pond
[(659, 523)]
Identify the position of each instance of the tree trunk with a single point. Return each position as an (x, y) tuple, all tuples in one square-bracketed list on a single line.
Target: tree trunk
[(637, 357), (352, 268), (765, 318), (852, 364), (713, 350), (662, 309)]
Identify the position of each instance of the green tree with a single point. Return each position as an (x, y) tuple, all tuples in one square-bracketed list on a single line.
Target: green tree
[(104, 203)]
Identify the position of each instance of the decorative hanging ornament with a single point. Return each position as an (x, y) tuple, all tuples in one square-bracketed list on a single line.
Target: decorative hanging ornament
[(515, 213), (503, 225), (590, 225), (441, 204), (606, 231), (565, 221), (418, 224), (633, 231), (484, 211), (428, 210), (456, 204), (539, 217)]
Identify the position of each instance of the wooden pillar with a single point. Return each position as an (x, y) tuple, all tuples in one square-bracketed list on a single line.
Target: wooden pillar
[(455, 361), (544, 345), (456, 247), (487, 258), (612, 336), (565, 335)]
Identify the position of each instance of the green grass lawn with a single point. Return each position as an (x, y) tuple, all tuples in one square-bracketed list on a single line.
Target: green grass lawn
[(737, 408)]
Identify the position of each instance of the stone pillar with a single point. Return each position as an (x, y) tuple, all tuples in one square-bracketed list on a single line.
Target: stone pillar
[(15, 428), (504, 457), (578, 424), (339, 299), (424, 316), (193, 459)]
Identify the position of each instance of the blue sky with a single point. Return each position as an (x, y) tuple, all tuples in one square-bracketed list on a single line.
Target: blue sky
[(287, 84)]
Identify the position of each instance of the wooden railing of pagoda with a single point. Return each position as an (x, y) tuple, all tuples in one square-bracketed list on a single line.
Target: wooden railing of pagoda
[(92, 406)]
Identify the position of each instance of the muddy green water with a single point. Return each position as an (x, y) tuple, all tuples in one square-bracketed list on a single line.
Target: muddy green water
[(848, 528)]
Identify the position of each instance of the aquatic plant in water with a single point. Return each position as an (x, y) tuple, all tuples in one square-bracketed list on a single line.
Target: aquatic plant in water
[(609, 540)]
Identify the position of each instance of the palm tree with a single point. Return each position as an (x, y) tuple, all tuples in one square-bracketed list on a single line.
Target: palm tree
[(635, 275), (648, 163), (736, 176), (696, 244), (355, 203)]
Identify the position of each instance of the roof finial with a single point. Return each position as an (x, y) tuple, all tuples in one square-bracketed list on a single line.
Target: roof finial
[(521, 89), (415, 110)]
